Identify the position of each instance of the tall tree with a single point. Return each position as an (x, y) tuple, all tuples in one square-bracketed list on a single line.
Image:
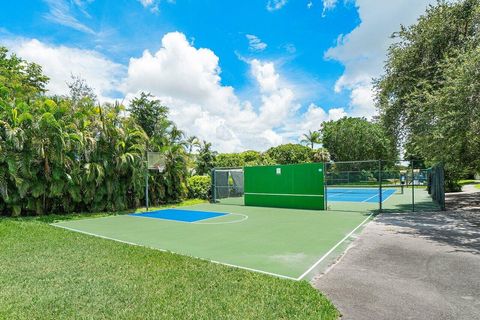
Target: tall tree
[(312, 138), (351, 139), (20, 79), (80, 90), (290, 154), (150, 114), (192, 142), (428, 97), (205, 159)]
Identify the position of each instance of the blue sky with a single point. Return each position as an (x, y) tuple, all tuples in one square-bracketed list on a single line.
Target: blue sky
[(242, 74)]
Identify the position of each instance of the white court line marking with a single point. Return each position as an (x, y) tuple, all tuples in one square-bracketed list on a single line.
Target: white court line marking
[(285, 194), (140, 215), (370, 198), (163, 250), (383, 199), (245, 217), (391, 194), (331, 250), (334, 195)]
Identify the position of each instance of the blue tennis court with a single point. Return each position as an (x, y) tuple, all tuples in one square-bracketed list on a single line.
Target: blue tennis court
[(368, 195), (179, 215)]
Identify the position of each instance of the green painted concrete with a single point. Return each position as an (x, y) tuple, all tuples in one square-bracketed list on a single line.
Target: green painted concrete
[(285, 242), (296, 186)]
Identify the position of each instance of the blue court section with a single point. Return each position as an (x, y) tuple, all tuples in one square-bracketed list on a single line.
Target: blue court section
[(179, 215), (358, 195)]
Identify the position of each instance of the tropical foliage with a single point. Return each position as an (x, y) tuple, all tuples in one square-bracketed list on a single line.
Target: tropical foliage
[(350, 139), (290, 154), (312, 138), (66, 154), (246, 158), (205, 160), (429, 96), (321, 155), (199, 187)]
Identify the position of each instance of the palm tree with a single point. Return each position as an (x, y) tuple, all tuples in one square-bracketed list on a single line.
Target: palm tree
[(205, 159), (321, 155), (312, 138), (192, 142)]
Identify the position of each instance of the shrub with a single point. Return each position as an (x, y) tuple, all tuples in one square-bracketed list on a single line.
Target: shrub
[(290, 154), (199, 187)]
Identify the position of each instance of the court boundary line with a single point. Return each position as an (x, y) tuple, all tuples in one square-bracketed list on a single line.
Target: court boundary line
[(169, 251), (383, 199), (245, 217), (310, 269), (333, 248), (389, 196), (139, 215), (366, 200), (336, 194)]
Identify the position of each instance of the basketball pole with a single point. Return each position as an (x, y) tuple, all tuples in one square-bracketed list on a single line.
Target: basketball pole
[(146, 182)]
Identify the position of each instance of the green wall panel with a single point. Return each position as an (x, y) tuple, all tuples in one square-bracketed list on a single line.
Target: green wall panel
[(299, 186)]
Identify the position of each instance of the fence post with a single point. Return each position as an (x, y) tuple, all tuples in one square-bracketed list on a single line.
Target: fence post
[(380, 196), (146, 185), (213, 187), (413, 186), (325, 187)]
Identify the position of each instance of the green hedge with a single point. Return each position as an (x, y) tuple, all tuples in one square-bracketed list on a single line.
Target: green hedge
[(199, 187)]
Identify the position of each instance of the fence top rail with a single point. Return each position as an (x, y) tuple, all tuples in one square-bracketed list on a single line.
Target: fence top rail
[(227, 168), (353, 161)]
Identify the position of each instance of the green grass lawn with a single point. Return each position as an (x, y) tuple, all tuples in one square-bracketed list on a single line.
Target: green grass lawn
[(465, 182), (51, 273)]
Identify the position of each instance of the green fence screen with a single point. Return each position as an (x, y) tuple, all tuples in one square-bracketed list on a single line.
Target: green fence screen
[(299, 186)]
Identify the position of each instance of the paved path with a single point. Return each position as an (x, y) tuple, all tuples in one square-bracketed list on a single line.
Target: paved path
[(412, 266)]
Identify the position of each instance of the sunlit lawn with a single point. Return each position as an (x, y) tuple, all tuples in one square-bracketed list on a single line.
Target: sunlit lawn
[(51, 273)]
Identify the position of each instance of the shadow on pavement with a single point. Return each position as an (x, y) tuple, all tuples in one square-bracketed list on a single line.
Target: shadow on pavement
[(459, 226)]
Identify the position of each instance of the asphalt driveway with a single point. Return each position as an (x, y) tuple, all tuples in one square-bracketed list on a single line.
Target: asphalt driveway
[(412, 266)]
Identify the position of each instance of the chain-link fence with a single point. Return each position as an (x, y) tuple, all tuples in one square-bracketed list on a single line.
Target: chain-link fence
[(399, 186), (228, 186), (366, 186)]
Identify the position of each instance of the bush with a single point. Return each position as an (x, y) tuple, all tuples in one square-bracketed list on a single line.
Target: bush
[(199, 187), (290, 154), (229, 160)]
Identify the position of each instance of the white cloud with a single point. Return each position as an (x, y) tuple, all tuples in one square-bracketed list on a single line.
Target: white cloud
[(59, 12), (154, 5), (255, 44), (363, 51), (59, 63), (147, 3), (273, 5), (265, 74), (328, 5), (188, 81), (311, 120)]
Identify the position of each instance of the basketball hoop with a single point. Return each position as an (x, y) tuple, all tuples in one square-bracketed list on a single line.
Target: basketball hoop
[(156, 161)]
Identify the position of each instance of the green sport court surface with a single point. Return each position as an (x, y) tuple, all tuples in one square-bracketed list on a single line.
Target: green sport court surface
[(289, 243)]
